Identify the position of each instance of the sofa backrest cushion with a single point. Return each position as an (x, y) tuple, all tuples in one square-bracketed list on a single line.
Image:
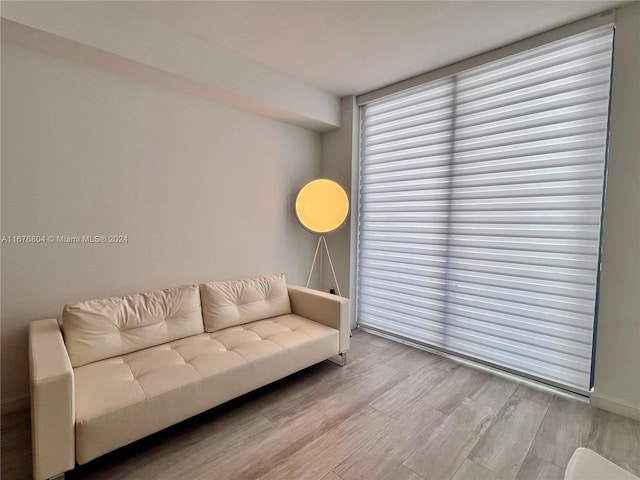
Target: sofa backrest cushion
[(235, 302), (104, 328)]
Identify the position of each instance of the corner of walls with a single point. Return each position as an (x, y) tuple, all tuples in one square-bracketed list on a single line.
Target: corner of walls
[(617, 360), (615, 405), (337, 160)]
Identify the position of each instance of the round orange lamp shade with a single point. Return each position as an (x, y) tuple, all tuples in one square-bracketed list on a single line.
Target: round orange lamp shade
[(322, 206)]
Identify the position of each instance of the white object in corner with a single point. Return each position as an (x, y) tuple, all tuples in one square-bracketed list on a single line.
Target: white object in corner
[(586, 464)]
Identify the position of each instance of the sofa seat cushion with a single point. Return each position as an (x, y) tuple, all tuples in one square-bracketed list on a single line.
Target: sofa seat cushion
[(124, 398)]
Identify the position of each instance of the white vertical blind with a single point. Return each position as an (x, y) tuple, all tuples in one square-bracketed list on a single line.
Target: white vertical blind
[(480, 209)]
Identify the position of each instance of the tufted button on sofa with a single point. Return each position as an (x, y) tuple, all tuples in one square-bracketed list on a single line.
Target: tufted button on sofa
[(130, 366)]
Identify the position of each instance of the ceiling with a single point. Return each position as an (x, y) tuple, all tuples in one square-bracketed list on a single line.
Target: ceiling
[(353, 47)]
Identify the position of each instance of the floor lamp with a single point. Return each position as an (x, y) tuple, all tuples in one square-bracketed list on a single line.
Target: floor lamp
[(322, 207)]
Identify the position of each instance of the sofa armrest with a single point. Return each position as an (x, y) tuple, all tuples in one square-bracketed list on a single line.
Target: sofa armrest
[(52, 401), (325, 308)]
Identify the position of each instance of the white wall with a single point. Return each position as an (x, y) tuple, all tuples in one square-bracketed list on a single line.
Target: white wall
[(202, 191), (113, 37), (617, 375)]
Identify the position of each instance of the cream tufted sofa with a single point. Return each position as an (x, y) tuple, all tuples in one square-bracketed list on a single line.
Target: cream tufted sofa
[(118, 369)]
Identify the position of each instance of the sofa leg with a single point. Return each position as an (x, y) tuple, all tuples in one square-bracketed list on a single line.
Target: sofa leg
[(340, 359)]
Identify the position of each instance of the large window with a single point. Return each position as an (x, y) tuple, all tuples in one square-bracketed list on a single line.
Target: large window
[(480, 209)]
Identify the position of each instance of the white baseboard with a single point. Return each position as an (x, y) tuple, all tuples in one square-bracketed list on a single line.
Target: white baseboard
[(616, 406), (14, 404)]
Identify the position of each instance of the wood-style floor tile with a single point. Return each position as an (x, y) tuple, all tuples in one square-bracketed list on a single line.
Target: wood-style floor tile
[(450, 444), (367, 349), (278, 445), (15, 442), (503, 448), (535, 468), (343, 401), (323, 454), (461, 383), (281, 404), (565, 427), (380, 459), (403, 473), (472, 471), (494, 392), (540, 394), (412, 361), (331, 476), (404, 395), (616, 438)]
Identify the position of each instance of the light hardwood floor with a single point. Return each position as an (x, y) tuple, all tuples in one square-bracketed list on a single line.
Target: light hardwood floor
[(393, 413)]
